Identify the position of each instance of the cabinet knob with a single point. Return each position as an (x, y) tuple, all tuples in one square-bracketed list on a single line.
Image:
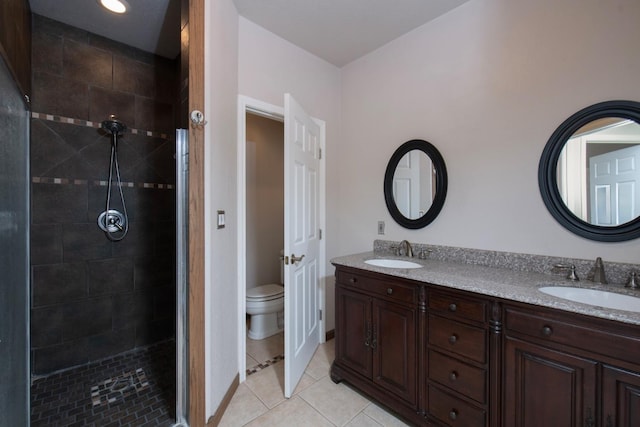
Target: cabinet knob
[(453, 376), (353, 280), (453, 307), (453, 414), (546, 330), (389, 291), (453, 338)]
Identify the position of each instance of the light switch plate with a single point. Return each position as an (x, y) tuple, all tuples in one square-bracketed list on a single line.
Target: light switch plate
[(221, 220), (380, 227)]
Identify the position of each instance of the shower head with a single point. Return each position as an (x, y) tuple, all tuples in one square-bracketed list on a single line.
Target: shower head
[(113, 125)]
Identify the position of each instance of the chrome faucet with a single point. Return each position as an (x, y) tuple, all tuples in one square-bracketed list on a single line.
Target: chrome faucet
[(408, 250), (597, 272)]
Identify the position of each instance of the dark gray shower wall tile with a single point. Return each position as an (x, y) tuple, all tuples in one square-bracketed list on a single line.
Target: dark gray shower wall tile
[(54, 358), (58, 96), (163, 162), (84, 63), (87, 317), (143, 204), (110, 343), (58, 283), (110, 276), (165, 303), (78, 136), (47, 148), (139, 241), (104, 102), (165, 237), (84, 241), (46, 52), (132, 309), (155, 271), (46, 244), (134, 77), (154, 331), (153, 115), (46, 326), (58, 203), (167, 79), (120, 49), (142, 144), (98, 200), (56, 28)]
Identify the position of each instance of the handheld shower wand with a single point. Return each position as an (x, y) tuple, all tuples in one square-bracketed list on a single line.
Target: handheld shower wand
[(114, 223)]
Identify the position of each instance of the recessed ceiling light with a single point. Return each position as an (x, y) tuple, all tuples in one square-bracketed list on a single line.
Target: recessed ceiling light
[(115, 6)]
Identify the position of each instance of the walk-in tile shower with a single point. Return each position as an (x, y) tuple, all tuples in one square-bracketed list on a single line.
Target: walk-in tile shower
[(101, 296)]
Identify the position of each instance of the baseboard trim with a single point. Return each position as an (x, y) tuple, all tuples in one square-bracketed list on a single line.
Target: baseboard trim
[(330, 335), (215, 419)]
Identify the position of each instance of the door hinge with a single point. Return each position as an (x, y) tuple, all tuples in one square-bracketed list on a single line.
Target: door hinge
[(320, 153), (320, 314), (320, 234)]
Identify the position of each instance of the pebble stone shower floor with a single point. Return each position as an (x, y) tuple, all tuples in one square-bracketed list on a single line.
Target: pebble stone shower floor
[(136, 388)]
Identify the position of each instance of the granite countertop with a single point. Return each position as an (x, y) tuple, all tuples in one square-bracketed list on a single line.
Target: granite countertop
[(497, 282)]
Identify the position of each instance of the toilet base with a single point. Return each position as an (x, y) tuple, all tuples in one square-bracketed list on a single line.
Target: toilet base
[(264, 325)]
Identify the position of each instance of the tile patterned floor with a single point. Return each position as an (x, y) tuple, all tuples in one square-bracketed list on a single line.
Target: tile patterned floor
[(316, 402), (133, 389)]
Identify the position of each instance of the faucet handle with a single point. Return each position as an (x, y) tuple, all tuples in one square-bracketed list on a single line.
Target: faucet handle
[(632, 283), (572, 271)]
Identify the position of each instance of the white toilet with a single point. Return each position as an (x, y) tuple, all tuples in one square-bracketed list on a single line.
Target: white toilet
[(265, 305)]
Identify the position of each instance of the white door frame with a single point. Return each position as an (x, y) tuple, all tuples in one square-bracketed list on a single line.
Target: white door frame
[(247, 104)]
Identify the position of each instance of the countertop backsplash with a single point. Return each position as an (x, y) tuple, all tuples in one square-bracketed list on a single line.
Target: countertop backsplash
[(615, 272)]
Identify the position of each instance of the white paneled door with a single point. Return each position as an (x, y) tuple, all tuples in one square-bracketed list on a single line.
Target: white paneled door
[(302, 241)]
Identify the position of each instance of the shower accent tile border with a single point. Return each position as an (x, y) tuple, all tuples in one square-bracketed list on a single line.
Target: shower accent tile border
[(67, 181), (88, 123)]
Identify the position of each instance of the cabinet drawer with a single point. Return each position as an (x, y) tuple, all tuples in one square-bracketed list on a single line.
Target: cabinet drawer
[(583, 335), (454, 306), (465, 379), (465, 340), (388, 288), (452, 411)]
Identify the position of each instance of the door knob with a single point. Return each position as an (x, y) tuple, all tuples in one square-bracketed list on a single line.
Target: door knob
[(295, 258)]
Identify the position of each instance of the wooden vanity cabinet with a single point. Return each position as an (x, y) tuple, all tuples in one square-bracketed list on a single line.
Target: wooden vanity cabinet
[(418, 349), (566, 369), (376, 338), (444, 357), (458, 377)]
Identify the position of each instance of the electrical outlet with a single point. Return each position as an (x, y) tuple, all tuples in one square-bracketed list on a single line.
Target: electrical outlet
[(380, 227)]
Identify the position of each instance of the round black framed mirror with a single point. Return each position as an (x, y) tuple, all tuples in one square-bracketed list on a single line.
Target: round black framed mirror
[(589, 172), (415, 184)]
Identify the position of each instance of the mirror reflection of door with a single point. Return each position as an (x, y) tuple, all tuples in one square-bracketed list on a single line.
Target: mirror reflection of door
[(614, 181), (414, 184), (598, 172)]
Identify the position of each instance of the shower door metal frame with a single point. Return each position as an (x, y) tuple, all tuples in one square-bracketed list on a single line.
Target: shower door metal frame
[(182, 276)]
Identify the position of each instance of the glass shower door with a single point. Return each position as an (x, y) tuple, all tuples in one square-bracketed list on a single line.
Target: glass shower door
[(14, 253)]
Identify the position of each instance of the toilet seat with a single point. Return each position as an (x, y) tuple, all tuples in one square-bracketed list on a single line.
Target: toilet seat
[(265, 292)]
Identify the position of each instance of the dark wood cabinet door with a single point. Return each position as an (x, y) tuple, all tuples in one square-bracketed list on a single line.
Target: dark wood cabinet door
[(394, 349), (545, 387), (353, 331), (620, 398)]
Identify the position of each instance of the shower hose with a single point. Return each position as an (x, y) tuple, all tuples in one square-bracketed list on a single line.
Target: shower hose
[(112, 221)]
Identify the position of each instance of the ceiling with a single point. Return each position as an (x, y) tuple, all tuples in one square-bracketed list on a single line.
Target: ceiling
[(338, 31)]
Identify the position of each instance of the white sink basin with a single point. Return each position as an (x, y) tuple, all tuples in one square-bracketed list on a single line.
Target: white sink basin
[(594, 297), (392, 263)]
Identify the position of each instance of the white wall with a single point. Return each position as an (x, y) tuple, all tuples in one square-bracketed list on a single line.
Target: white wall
[(269, 67), (221, 88), (487, 84)]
